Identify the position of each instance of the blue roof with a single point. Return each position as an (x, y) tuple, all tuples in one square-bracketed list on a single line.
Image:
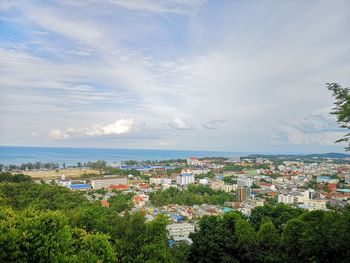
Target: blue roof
[(79, 186), (227, 209), (178, 218)]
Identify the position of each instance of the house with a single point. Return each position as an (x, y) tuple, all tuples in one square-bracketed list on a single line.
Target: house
[(140, 200), (105, 203)]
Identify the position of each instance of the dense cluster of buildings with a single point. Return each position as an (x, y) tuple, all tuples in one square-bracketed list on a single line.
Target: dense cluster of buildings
[(309, 185)]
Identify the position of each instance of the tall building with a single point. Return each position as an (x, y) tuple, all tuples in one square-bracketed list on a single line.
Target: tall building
[(104, 182), (309, 194), (244, 181), (185, 179), (242, 193)]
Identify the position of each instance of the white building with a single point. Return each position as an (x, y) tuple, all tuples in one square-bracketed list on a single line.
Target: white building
[(244, 181), (259, 160), (160, 181), (235, 159), (107, 181), (193, 161), (185, 179), (230, 188), (347, 178), (309, 194), (285, 198), (180, 230), (203, 181), (315, 204)]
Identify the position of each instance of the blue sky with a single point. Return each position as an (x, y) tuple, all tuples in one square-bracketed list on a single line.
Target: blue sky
[(175, 74)]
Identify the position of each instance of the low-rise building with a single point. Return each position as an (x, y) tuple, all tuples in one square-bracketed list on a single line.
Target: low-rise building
[(105, 182), (180, 230), (185, 179)]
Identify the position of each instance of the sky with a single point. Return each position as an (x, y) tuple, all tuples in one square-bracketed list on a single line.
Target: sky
[(241, 76)]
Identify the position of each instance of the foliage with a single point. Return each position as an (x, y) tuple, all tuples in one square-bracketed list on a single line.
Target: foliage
[(234, 168), (131, 162), (42, 223), (40, 196), (342, 108), (7, 177), (121, 202), (317, 236), (230, 180), (194, 195), (30, 166)]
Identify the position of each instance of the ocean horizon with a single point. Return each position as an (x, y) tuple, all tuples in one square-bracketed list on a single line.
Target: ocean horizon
[(72, 155)]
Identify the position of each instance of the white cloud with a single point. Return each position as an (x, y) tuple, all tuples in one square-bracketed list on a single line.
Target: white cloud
[(35, 134), (212, 125), (121, 126), (179, 124), (58, 134), (145, 60), (316, 128), (161, 6)]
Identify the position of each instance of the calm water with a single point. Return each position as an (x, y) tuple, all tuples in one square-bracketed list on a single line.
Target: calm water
[(70, 156)]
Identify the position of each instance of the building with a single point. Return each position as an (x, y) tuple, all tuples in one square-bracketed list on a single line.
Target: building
[(242, 193), (185, 179), (140, 200), (119, 187), (159, 181), (203, 181), (105, 203), (347, 178), (323, 179), (230, 188), (259, 160), (182, 230), (315, 204), (243, 181), (79, 187), (235, 159), (105, 182), (309, 194), (193, 161), (285, 198), (217, 185)]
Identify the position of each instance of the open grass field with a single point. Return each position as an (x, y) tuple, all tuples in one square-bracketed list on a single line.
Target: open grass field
[(69, 173)]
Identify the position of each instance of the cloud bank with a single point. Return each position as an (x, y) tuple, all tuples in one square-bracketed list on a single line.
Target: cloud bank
[(208, 75)]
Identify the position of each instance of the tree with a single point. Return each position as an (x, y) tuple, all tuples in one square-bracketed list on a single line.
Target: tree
[(268, 241), (342, 108)]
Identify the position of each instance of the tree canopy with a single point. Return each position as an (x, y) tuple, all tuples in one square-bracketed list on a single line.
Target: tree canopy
[(341, 108)]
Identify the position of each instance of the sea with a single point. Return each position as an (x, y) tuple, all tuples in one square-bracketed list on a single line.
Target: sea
[(70, 156)]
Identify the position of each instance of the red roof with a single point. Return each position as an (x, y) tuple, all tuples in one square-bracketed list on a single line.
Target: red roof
[(332, 187), (265, 184), (118, 187), (104, 203)]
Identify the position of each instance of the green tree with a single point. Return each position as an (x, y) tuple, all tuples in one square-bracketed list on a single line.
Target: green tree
[(342, 108)]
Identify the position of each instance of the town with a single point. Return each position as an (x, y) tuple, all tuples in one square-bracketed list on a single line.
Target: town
[(186, 190)]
